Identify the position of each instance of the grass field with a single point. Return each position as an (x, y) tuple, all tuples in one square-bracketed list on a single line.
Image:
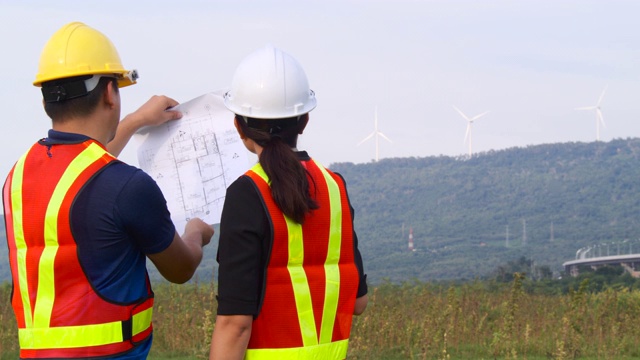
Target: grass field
[(477, 320)]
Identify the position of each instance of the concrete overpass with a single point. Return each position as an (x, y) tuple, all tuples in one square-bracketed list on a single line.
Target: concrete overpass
[(629, 262)]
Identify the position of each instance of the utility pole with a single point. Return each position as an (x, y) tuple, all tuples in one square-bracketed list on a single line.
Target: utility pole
[(524, 231), (410, 245), (551, 238), (506, 242)]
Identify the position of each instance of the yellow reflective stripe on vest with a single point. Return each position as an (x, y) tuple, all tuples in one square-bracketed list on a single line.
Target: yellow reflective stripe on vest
[(18, 234), (46, 287), (334, 350), (300, 284), (299, 280), (332, 271), (63, 337), (141, 321)]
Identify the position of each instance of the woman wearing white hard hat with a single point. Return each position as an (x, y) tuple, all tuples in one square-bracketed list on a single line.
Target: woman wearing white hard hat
[(291, 275)]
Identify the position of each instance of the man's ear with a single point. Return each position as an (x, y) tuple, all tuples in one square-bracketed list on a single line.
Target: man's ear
[(238, 128), (110, 95), (302, 122)]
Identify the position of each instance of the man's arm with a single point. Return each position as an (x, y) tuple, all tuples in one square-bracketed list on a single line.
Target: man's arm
[(152, 113), (179, 261)]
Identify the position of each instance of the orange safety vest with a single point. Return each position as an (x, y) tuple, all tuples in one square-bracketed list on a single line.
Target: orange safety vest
[(58, 312), (311, 277)]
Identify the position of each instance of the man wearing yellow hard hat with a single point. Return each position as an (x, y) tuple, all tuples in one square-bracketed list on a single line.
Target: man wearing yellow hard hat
[(80, 223)]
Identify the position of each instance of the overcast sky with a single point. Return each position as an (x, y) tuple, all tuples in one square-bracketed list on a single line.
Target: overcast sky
[(529, 62)]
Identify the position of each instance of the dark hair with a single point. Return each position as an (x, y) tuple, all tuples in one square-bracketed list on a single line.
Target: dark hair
[(289, 182), (79, 106)]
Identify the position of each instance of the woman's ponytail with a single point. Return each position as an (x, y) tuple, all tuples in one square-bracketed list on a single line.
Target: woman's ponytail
[(289, 181)]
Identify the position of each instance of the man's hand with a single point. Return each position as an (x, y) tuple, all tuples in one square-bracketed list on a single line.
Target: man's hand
[(197, 226), (180, 260), (152, 113)]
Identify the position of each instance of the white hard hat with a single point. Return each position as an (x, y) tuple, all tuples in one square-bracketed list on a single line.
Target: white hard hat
[(270, 84)]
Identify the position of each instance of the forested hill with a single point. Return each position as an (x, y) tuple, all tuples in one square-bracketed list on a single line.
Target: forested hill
[(471, 215)]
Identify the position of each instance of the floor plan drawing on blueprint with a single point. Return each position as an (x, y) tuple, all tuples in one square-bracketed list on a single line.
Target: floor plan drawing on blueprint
[(195, 159)]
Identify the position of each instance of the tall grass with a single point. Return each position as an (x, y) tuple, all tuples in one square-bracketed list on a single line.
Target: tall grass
[(8, 329), (476, 320)]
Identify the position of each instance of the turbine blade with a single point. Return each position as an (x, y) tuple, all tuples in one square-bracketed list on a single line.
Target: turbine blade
[(461, 113), (365, 139), (375, 121), (600, 118), (602, 95), (586, 108), (479, 116), (384, 137)]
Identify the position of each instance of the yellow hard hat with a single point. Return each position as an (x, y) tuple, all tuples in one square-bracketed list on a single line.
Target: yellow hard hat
[(77, 49)]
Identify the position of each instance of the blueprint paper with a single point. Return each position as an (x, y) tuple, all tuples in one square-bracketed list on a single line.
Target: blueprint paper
[(194, 159)]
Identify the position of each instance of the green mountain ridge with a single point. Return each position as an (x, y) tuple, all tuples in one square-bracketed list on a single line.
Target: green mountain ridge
[(470, 215)]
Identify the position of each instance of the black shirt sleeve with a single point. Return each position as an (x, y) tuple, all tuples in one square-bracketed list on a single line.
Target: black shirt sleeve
[(244, 236), (362, 285), (357, 257)]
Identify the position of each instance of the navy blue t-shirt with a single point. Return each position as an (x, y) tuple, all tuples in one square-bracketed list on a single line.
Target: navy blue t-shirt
[(118, 218)]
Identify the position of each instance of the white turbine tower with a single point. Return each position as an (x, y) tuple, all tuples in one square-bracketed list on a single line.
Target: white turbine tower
[(598, 111), (467, 135), (377, 135)]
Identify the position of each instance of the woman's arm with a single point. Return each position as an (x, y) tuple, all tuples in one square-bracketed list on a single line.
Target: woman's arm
[(230, 337), (361, 305)]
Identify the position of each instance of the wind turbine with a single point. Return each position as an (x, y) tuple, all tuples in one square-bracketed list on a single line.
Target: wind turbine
[(470, 121), (599, 118), (377, 134)]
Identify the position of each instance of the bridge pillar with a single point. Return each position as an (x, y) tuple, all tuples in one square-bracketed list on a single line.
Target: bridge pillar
[(630, 268), (573, 270)]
